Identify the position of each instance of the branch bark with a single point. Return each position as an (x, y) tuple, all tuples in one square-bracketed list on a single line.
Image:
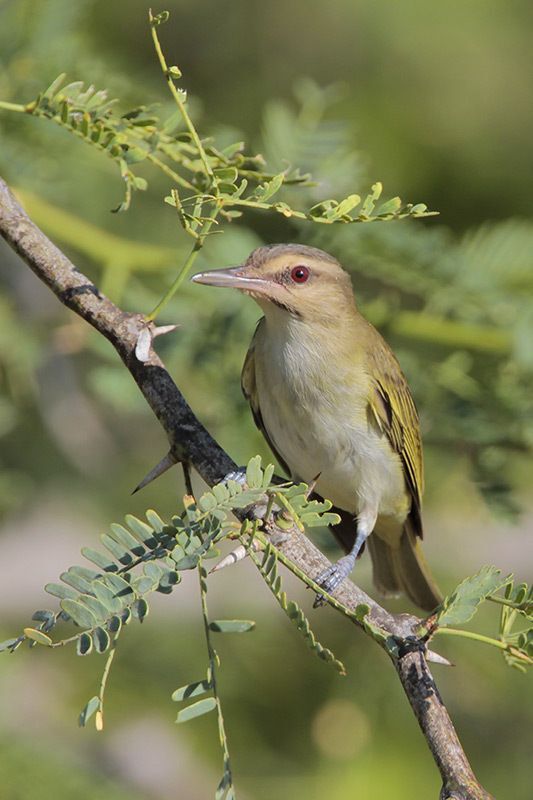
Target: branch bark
[(192, 444)]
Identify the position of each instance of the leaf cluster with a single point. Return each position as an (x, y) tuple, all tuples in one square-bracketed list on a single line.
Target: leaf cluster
[(146, 556), (215, 180), (267, 566), (515, 634)]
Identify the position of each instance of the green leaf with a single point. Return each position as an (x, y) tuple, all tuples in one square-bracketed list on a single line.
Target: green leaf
[(99, 609), (98, 558), (78, 582), (92, 706), (84, 645), (61, 591), (143, 532), (391, 206), (125, 616), (139, 609), (161, 18), (37, 636), (207, 502), (190, 690), (84, 572), (419, 210), (107, 596), (114, 624), (196, 709), (269, 189), (101, 640), (79, 613), (45, 616), (313, 520), (72, 90), (189, 562), (153, 571), (226, 174), (153, 519), (54, 86), (125, 538), (168, 580), (220, 493), (267, 475), (370, 200), (141, 184), (143, 584), (231, 625), (461, 605), (117, 550), (254, 473), (361, 611), (345, 206), (121, 588)]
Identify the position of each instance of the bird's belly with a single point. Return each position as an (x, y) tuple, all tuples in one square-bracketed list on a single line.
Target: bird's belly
[(357, 468)]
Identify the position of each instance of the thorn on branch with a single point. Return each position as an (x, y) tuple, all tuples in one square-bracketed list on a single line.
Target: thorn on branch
[(236, 555), (146, 337), (168, 461)]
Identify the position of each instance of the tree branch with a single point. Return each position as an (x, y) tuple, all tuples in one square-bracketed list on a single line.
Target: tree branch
[(191, 443)]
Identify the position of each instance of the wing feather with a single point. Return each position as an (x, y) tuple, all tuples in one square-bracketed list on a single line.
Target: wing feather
[(249, 389), (393, 410)]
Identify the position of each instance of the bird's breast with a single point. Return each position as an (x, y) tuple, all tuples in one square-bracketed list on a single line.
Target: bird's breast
[(314, 408)]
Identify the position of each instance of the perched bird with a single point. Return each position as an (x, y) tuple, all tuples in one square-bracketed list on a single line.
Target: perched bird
[(331, 400)]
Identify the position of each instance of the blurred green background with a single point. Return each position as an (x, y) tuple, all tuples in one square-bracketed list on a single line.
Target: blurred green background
[(435, 101)]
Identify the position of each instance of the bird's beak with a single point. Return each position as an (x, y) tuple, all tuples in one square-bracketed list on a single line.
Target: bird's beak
[(233, 278)]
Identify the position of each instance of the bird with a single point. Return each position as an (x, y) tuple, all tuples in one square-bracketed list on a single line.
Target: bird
[(332, 402)]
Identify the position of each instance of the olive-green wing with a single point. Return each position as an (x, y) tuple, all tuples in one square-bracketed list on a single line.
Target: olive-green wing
[(393, 410), (249, 389)]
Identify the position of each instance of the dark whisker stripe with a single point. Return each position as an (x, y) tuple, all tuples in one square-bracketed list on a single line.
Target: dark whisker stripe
[(285, 307)]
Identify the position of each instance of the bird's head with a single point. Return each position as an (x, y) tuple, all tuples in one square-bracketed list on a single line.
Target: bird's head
[(301, 281)]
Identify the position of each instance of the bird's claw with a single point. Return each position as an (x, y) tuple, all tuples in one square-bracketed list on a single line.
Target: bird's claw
[(332, 577), (238, 475)]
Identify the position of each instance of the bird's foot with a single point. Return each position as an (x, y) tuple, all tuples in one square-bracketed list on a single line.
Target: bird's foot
[(333, 576), (259, 509), (238, 475)]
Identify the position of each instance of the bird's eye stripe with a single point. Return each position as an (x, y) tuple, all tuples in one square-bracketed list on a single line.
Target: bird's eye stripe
[(300, 274)]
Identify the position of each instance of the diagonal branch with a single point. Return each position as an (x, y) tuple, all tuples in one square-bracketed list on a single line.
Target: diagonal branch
[(191, 443)]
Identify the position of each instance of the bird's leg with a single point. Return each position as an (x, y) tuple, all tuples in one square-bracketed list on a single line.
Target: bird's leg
[(335, 574)]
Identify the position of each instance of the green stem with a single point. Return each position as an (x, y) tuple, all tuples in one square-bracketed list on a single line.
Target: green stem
[(479, 637), (169, 171), (64, 642), (182, 274), (179, 102), (505, 602), (213, 664), (103, 683), (12, 106), (208, 223)]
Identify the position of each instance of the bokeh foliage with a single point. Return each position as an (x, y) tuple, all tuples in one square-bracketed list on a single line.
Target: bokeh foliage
[(452, 295)]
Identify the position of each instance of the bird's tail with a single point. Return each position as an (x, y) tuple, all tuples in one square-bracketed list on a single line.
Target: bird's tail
[(403, 569)]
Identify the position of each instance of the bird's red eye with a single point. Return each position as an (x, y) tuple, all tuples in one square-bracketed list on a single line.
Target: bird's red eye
[(300, 274)]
